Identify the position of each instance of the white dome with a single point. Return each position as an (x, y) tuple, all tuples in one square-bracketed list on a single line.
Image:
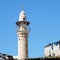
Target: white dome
[(22, 16)]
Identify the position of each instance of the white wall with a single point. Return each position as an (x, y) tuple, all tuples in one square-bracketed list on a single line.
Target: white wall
[(53, 52)]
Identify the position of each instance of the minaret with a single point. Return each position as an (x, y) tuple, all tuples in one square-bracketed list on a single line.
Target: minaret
[(22, 32)]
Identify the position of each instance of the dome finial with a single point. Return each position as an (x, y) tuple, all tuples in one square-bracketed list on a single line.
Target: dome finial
[(22, 16), (22, 6)]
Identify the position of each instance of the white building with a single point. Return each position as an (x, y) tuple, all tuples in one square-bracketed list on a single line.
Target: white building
[(53, 49)]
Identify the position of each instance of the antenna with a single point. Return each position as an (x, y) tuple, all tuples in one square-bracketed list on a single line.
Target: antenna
[(22, 5)]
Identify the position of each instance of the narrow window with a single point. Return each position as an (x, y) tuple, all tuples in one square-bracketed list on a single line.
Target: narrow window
[(23, 18), (26, 45), (19, 39), (59, 46), (53, 54)]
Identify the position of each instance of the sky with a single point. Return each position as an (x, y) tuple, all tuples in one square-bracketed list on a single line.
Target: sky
[(44, 18)]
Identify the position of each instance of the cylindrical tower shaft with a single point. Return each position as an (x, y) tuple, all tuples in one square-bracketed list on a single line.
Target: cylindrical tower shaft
[(22, 45)]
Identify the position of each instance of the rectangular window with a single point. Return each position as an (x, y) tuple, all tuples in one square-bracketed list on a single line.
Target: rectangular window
[(59, 46)]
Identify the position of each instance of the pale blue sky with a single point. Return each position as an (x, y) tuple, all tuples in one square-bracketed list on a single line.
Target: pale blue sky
[(44, 16)]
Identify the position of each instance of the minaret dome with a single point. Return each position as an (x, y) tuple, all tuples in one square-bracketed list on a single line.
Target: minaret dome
[(22, 16)]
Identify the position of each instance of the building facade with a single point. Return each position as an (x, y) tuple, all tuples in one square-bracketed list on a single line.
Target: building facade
[(53, 49), (5, 57)]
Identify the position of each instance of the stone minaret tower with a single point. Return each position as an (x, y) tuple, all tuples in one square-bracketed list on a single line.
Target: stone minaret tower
[(22, 32)]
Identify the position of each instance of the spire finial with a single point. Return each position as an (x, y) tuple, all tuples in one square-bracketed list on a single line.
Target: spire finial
[(22, 5)]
